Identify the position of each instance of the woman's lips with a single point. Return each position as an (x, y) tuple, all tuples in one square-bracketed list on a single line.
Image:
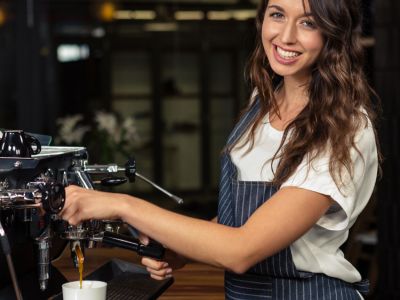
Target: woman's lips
[(285, 57)]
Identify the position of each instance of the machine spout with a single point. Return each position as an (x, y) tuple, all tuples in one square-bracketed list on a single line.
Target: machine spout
[(43, 284), (43, 245)]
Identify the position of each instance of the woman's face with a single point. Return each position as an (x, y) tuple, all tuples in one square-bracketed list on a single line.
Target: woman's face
[(291, 40)]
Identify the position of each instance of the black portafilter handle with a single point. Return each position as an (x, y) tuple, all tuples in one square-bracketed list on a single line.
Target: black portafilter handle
[(153, 249)]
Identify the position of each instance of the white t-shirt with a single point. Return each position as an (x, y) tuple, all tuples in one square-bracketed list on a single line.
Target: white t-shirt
[(318, 250)]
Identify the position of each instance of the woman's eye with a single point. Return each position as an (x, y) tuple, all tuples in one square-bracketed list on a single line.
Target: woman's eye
[(309, 24), (276, 15)]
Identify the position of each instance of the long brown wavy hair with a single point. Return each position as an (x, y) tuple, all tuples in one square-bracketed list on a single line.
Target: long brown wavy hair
[(339, 94)]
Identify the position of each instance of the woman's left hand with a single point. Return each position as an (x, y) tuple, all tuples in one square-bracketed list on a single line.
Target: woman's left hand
[(82, 204)]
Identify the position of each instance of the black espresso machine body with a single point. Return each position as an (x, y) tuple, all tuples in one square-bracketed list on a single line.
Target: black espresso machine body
[(31, 232), (26, 217)]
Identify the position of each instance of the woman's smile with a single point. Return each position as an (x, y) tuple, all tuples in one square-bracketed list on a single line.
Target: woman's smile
[(284, 56)]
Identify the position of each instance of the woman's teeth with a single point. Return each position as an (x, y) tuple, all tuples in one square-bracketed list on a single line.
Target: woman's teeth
[(286, 54)]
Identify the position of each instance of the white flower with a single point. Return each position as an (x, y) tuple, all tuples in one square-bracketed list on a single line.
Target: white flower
[(107, 122), (117, 135), (70, 132), (69, 122), (129, 128)]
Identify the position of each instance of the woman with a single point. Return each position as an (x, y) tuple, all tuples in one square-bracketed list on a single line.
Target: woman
[(297, 170)]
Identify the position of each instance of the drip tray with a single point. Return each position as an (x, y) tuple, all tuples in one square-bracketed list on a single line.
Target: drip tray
[(127, 281)]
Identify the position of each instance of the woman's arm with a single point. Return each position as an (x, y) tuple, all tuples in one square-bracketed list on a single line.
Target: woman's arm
[(276, 224)]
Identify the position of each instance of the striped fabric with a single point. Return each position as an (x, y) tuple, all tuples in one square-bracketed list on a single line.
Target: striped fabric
[(247, 197), (275, 277), (317, 287), (228, 170)]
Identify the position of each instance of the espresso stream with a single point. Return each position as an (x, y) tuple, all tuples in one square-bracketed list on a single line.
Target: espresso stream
[(80, 258)]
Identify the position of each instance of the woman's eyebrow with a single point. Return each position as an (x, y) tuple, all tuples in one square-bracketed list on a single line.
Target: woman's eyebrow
[(279, 8)]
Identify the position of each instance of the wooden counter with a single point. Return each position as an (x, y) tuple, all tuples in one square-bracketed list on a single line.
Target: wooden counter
[(195, 281)]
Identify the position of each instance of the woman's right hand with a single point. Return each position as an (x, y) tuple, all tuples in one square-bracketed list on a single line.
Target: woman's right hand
[(162, 269)]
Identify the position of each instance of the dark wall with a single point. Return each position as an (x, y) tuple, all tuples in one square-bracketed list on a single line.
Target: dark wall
[(27, 76), (7, 75), (387, 82)]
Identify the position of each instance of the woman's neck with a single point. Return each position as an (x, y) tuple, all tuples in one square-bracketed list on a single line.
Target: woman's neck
[(291, 98), (292, 95)]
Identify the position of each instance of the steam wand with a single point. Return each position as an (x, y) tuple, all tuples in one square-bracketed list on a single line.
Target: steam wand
[(7, 252), (175, 198)]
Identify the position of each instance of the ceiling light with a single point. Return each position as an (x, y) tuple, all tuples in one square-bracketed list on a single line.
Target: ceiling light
[(135, 14), (98, 32), (107, 11), (161, 26), (237, 14), (219, 15), (144, 14), (122, 15), (3, 14), (244, 14), (189, 15), (72, 52)]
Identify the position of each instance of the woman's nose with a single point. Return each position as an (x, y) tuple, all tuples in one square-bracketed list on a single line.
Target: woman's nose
[(289, 33)]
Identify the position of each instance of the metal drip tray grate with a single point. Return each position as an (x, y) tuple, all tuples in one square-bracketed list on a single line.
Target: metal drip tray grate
[(134, 287)]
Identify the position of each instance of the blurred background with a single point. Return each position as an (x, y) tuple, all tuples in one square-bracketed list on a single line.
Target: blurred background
[(163, 81)]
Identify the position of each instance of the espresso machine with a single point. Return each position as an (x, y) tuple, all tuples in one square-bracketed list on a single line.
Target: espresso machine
[(32, 182)]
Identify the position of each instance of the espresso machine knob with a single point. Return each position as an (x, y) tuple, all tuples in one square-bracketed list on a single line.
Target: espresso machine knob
[(130, 169), (53, 197)]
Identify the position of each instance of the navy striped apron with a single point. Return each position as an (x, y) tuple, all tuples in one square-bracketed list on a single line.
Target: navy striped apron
[(275, 277)]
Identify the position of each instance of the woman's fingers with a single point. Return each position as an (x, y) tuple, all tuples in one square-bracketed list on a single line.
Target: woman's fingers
[(70, 209), (158, 269), (160, 273), (68, 212), (163, 269), (83, 204), (154, 264), (159, 277)]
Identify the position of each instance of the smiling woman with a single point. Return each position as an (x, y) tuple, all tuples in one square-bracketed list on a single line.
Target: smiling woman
[(291, 40), (297, 169)]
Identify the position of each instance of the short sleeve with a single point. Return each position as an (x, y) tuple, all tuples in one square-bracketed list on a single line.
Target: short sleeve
[(351, 198)]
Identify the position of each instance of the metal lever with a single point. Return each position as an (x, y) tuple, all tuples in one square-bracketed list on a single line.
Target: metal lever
[(130, 172), (153, 249), (175, 198)]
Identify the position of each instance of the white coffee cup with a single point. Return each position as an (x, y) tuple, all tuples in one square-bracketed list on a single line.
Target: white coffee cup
[(91, 290)]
